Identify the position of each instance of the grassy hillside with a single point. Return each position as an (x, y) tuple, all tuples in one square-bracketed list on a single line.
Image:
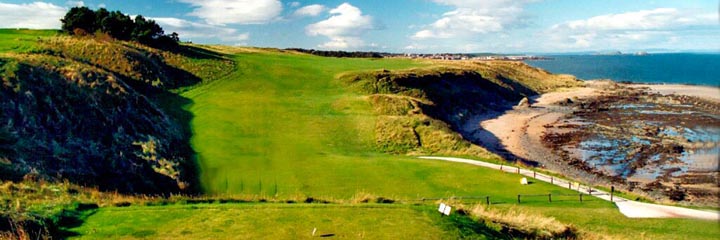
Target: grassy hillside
[(274, 129), (86, 110), (422, 109)]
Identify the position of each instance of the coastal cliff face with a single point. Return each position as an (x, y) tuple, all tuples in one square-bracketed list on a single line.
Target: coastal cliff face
[(422, 111), (86, 111)]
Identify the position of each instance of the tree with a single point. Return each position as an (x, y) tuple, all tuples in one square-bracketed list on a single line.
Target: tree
[(100, 16), (174, 36), (146, 31), (79, 18), (82, 20), (118, 25)]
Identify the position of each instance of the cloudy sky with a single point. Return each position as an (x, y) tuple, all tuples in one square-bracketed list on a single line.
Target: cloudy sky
[(508, 26)]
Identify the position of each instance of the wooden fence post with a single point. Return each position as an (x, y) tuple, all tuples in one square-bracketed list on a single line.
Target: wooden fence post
[(518, 170), (487, 200), (518, 198), (551, 180), (549, 197), (534, 174), (580, 197)]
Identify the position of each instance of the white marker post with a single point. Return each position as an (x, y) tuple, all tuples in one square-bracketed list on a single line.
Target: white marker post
[(444, 209), (447, 210)]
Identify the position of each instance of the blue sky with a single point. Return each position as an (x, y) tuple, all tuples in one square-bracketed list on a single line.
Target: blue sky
[(423, 26)]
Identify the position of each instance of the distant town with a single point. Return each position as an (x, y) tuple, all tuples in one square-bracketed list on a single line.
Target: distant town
[(437, 56), (447, 56)]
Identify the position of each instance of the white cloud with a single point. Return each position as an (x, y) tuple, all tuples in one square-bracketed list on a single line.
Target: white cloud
[(343, 43), (36, 15), (221, 12), (192, 30), (646, 28), (414, 47), (344, 27), (310, 10), (75, 3), (473, 17), (294, 4), (660, 18)]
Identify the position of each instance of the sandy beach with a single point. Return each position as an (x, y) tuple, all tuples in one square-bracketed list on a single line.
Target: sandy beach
[(705, 92), (518, 132)]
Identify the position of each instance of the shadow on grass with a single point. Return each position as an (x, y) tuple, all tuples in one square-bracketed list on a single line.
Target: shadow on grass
[(197, 53), (174, 105), (468, 228), (70, 218)]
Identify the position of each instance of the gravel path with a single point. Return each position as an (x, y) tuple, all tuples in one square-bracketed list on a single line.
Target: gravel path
[(629, 208)]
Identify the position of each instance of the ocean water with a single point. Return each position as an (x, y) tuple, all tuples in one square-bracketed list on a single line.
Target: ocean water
[(683, 68)]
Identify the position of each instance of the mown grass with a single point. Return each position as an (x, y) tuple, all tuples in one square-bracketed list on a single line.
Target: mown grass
[(13, 40), (264, 221), (282, 127), (594, 219), (283, 121)]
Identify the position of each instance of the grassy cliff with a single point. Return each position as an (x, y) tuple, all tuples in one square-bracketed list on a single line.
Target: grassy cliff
[(86, 110), (420, 110)]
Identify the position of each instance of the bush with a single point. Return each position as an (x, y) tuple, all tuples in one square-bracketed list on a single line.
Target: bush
[(82, 21)]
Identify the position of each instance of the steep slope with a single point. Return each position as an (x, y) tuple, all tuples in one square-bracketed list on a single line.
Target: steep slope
[(87, 111), (422, 110)]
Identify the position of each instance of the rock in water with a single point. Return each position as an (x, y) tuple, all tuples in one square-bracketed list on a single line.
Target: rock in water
[(524, 103)]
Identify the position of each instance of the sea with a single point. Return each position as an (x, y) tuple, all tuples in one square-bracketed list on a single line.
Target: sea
[(670, 68)]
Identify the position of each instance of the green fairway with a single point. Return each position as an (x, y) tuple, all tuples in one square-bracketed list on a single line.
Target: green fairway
[(12, 40), (370, 221), (282, 126), (276, 135), (264, 221)]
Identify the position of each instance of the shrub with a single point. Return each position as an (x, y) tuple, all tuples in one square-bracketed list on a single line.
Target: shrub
[(81, 21)]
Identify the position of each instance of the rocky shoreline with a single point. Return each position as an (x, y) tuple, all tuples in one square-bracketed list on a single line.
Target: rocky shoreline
[(661, 145)]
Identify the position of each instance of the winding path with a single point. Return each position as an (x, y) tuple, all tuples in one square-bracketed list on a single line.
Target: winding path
[(629, 208)]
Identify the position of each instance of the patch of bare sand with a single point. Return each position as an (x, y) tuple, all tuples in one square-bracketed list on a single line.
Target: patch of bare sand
[(706, 92), (518, 131)]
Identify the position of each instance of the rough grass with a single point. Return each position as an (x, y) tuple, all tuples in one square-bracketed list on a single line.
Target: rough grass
[(603, 219), (281, 126), (533, 226), (420, 108), (158, 68)]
